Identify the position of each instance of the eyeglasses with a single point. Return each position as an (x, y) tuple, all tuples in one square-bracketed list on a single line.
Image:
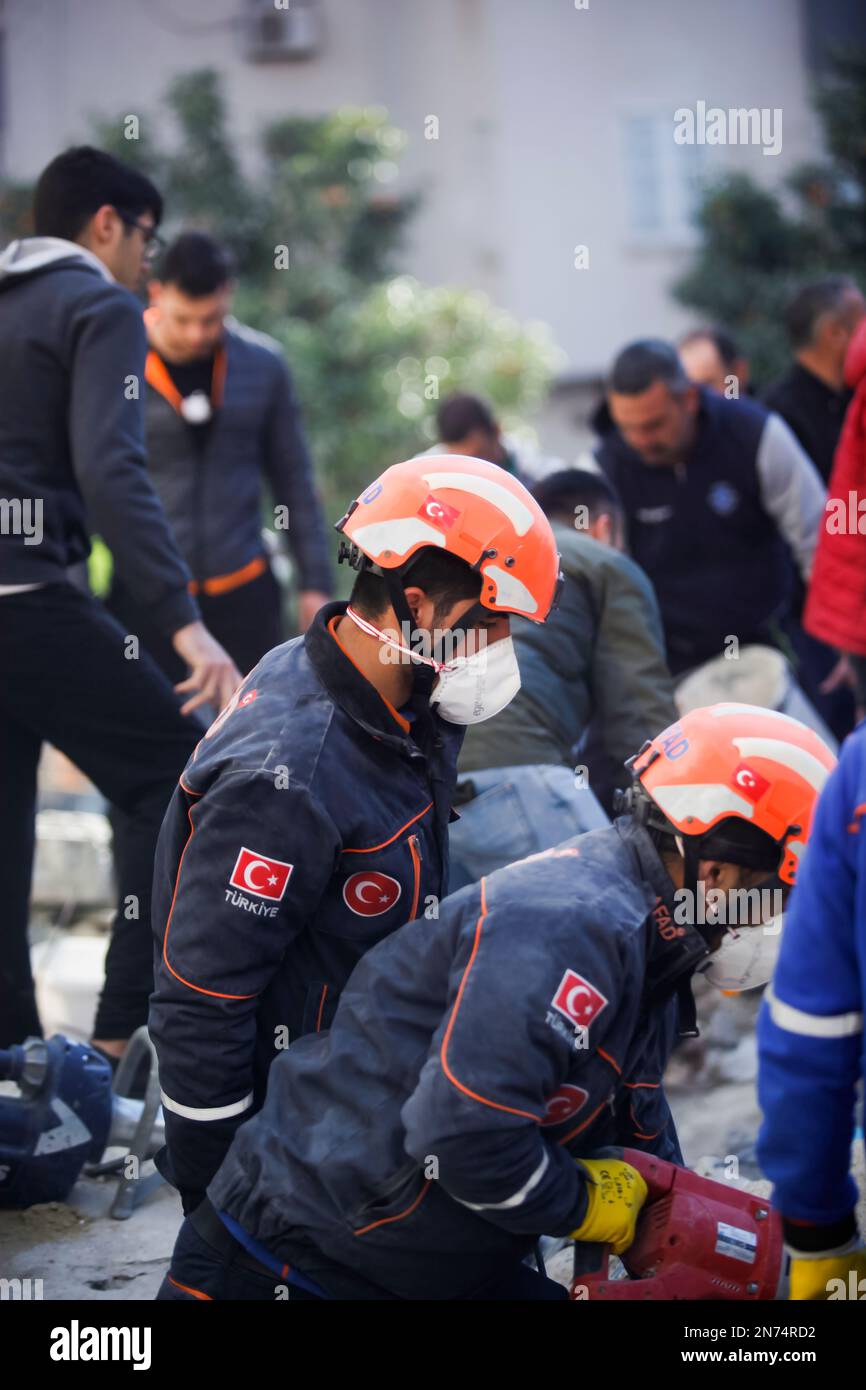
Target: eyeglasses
[(153, 242)]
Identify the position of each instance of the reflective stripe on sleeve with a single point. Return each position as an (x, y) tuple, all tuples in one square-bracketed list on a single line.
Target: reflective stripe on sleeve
[(213, 1112), (793, 1020), (518, 1197)]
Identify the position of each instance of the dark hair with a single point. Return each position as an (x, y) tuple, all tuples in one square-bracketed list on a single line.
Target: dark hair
[(445, 578), (736, 841), (721, 340), (560, 494), (640, 365), (80, 181), (459, 414), (196, 264), (809, 303)]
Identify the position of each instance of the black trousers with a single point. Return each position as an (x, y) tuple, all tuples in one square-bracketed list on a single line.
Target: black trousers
[(64, 678), (247, 621), (208, 1263)]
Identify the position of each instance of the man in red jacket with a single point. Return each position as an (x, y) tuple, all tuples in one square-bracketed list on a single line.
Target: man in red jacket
[(836, 605)]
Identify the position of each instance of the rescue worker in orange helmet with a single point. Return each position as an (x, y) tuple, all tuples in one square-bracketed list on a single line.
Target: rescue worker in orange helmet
[(311, 821), (478, 1063)]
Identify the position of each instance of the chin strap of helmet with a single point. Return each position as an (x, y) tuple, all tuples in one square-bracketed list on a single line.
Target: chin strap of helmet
[(424, 675), (634, 801)]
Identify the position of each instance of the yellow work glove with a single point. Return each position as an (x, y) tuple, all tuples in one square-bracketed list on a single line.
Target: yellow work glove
[(813, 1276), (616, 1192)]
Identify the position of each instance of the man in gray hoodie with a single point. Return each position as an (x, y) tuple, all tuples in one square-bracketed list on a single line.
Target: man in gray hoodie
[(72, 462)]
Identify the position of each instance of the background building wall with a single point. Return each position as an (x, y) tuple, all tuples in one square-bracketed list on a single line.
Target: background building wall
[(555, 130)]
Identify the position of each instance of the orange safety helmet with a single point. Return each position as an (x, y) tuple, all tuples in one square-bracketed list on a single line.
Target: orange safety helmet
[(736, 761), (472, 508)]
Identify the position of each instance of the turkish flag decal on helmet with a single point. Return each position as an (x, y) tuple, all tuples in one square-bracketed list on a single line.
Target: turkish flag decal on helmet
[(578, 1000), (370, 894), (749, 782), (441, 513), (255, 873)]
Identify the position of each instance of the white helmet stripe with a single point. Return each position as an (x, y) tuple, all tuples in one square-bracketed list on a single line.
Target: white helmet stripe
[(789, 755), (703, 800), (517, 512), (398, 534), (720, 711), (510, 591)]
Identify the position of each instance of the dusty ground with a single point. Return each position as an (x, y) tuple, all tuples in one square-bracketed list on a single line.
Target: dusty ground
[(80, 1253)]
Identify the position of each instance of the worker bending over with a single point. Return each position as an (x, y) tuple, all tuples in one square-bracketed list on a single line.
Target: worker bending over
[(478, 1062)]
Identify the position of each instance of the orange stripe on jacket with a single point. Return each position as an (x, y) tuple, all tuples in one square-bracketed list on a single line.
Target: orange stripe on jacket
[(386, 1220), (214, 994), (393, 837), (332, 628), (473, 1095), (583, 1124)]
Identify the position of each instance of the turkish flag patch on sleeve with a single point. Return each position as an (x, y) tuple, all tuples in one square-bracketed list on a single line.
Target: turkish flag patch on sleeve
[(578, 1000), (255, 873)]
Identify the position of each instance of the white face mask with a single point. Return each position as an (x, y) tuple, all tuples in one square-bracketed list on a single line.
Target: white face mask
[(747, 956), (473, 688), (469, 689)]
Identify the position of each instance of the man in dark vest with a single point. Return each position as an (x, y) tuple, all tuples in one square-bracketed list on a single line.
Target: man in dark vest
[(715, 492), (812, 397)]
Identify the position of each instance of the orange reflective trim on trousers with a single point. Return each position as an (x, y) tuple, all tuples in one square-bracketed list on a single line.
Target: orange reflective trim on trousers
[(321, 1007), (196, 1293)]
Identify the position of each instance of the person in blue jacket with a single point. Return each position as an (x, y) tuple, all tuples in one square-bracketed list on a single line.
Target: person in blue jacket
[(483, 1068), (810, 1035), (312, 819)]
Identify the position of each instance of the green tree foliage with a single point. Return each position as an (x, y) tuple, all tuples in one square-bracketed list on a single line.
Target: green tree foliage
[(369, 349), (758, 248)]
